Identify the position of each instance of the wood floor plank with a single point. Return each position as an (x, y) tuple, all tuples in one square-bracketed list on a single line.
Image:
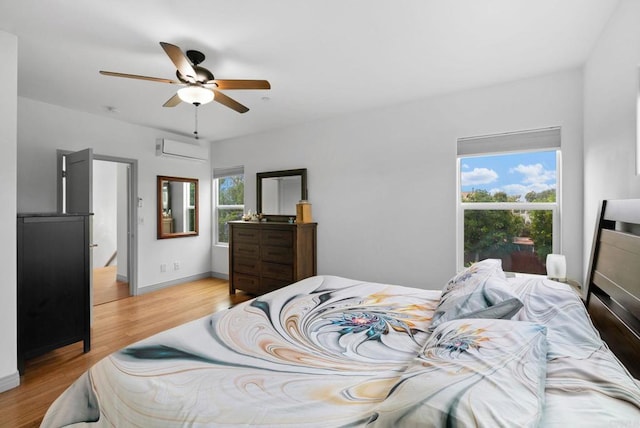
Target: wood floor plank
[(106, 287), (116, 324)]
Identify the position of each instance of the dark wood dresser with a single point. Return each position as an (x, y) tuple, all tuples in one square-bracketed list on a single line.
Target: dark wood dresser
[(53, 283), (265, 256)]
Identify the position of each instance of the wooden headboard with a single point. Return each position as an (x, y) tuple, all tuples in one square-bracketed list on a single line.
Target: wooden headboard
[(613, 298)]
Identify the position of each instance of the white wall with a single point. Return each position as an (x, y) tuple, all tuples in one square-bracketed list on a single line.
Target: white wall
[(8, 131), (383, 182), (610, 99), (105, 210), (43, 128)]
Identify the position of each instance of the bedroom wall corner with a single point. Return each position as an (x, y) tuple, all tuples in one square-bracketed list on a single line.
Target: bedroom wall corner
[(9, 377), (611, 84)]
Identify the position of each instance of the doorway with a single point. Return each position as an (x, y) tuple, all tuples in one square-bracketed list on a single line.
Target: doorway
[(110, 231), (112, 198)]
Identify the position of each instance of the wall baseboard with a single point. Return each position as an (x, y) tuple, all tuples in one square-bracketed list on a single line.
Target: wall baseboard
[(122, 278), (161, 285), (9, 382), (220, 275)]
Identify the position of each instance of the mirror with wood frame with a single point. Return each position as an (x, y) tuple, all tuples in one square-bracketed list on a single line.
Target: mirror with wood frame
[(278, 192), (177, 207)]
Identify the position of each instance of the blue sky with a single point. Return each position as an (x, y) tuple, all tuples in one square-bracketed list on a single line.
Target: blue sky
[(515, 174)]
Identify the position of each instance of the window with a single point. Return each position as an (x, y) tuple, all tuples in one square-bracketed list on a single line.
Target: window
[(508, 195), (229, 199), (190, 206)]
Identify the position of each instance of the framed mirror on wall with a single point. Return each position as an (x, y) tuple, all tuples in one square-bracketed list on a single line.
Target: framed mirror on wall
[(177, 207), (278, 192)]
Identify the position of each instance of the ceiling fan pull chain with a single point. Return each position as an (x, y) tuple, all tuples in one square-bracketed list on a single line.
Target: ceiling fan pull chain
[(195, 133)]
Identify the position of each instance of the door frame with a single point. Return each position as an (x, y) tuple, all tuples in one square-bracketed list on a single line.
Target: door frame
[(132, 212)]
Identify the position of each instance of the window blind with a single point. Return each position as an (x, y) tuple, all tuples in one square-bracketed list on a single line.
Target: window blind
[(539, 139), (227, 172)]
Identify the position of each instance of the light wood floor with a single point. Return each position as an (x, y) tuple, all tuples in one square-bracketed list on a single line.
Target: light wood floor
[(116, 324), (106, 287)]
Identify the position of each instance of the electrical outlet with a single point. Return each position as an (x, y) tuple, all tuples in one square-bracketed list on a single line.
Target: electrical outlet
[(176, 265), (163, 267)]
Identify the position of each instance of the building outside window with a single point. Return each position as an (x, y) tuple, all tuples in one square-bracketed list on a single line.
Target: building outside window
[(508, 199), (228, 200)]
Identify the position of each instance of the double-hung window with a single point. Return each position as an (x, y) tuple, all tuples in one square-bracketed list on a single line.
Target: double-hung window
[(229, 199), (508, 199)]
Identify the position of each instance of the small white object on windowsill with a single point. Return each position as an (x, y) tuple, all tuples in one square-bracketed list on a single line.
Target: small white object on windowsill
[(557, 267)]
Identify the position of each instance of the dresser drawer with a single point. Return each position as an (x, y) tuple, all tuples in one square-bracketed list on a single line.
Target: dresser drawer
[(281, 238), (282, 255), (245, 234), (248, 283), (247, 250), (271, 284), (246, 265), (277, 271)]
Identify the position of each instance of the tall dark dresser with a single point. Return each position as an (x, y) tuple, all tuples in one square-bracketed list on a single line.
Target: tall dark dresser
[(265, 256), (53, 283)]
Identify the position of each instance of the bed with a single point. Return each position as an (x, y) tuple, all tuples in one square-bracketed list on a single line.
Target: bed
[(486, 350), (614, 279)]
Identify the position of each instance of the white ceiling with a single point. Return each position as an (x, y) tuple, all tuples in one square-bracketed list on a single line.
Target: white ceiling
[(322, 57)]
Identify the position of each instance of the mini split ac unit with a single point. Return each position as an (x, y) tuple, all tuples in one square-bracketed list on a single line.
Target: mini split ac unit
[(177, 149)]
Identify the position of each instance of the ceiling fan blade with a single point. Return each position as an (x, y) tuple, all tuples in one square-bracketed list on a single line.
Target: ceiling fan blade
[(240, 84), (229, 102), (136, 76), (180, 60), (173, 101)]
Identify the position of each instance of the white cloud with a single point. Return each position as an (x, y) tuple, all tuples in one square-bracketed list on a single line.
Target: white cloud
[(478, 176), (536, 179), (535, 174)]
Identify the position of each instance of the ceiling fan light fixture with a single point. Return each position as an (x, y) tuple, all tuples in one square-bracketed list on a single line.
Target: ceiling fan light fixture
[(195, 95)]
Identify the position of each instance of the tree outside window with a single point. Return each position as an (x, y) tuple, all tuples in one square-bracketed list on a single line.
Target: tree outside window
[(229, 204)]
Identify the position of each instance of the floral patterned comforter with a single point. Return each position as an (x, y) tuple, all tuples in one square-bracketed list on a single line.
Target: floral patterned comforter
[(329, 351)]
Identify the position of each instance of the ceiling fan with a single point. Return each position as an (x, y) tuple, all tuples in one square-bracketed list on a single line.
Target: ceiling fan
[(200, 87)]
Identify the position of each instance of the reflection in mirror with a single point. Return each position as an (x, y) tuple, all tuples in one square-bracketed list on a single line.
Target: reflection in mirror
[(278, 192), (177, 207)]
